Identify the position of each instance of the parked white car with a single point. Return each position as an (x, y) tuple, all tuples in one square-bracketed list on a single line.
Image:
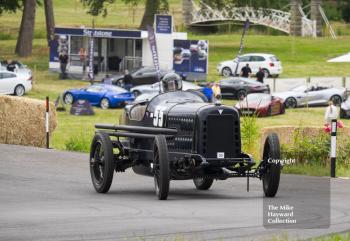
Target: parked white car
[(14, 83), (270, 64), (19, 67)]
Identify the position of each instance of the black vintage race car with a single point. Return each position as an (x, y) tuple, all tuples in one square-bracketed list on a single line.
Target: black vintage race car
[(179, 136)]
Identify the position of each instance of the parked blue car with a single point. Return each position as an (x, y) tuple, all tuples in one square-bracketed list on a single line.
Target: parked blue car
[(105, 96)]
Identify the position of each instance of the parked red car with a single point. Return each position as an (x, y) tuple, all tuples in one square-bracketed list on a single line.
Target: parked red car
[(261, 105)]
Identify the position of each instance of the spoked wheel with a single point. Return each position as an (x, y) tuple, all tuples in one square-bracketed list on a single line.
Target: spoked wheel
[(161, 168), (203, 183), (271, 176), (291, 103), (336, 99), (101, 162)]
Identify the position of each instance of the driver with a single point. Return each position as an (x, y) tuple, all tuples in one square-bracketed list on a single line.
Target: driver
[(171, 82)]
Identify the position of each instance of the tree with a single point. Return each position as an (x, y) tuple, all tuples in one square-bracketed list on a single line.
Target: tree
[(100, 7), (10, 6), (50, 20), (26, 32)]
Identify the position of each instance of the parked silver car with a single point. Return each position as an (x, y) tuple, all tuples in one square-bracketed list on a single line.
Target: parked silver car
[(312, 95), (154, 88)]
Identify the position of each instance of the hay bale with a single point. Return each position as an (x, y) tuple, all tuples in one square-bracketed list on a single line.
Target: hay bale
[(286, 133), (22, 121)]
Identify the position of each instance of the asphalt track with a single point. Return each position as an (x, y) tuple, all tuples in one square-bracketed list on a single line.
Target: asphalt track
[(48, 195)]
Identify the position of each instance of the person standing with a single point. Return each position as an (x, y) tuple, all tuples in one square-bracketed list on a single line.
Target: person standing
[(208, 92), (216, 92), (246, 71), (63, 64), (260, 75), (82, 56), (127, 80), (11, 66)]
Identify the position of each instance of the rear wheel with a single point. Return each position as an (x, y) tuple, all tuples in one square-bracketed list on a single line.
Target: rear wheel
[(272, 172), (336, 99), (266, 73), (161, 167), (19, 90), (290, 102), (241, 94), (203, 183), (101, 162), (227, 72)]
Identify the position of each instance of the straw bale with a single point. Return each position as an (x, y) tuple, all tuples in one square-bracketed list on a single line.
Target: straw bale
[(22, 121)]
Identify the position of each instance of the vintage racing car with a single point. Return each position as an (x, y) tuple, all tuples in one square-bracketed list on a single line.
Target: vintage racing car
[(178, 136)]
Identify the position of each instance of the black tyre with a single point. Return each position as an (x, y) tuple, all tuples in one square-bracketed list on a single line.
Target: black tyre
[(161, 167), (266, 73), (241, 94), (19, 90), (271, 176), (336, 99), (68, 99), (290, 102), (227, 72), (283, 109), (101, 162), (203, 183)]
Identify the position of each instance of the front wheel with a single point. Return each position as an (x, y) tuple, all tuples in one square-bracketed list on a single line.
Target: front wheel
[(104, 103), (203, 183), (272, 169), (68, 99), (19, 90), (161, 167), (101, 162), (227, 72)]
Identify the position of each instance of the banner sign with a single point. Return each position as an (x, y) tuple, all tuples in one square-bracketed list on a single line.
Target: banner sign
[(245, 29), (164, 24), (91, 59), (153, 44), (99, 33), (191, 56)]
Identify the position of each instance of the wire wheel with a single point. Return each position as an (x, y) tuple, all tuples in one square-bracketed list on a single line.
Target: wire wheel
[(101, 162), (161, 168)]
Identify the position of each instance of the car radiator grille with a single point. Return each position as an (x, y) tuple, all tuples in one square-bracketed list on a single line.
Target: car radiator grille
[(221, 137), (183, 141)]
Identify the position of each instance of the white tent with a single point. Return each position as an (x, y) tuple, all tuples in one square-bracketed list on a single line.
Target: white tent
[(341, 59)]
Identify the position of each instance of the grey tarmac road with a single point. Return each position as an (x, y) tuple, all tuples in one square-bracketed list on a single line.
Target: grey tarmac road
[(48, 195)]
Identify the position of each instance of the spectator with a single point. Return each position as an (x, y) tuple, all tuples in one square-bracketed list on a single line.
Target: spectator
[(331, 112), (260, 75), (208, 92), (82, 56), (216, 92), (63, 64), (246, 71), (11, 66), (127, 80)]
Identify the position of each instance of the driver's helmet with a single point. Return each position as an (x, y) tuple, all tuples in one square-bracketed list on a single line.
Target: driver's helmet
[(171, 82)]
